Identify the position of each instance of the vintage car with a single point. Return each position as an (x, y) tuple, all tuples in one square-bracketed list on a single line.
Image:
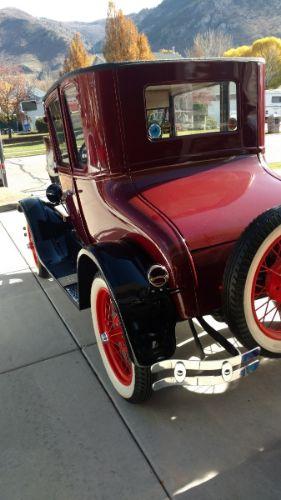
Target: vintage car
[(166, 212)]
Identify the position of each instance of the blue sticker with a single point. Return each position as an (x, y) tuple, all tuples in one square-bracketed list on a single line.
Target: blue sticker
[(154, 131)]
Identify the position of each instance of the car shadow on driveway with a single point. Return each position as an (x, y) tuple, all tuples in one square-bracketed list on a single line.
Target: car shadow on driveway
[(222, 443)]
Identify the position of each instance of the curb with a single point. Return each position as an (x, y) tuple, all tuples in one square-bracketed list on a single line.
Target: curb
[(9, 199), (8, 207)]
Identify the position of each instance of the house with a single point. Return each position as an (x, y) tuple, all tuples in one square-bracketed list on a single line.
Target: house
[(31, 109)]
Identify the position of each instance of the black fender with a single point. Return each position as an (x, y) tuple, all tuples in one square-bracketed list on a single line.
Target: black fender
[(52, 236), (148, 313)]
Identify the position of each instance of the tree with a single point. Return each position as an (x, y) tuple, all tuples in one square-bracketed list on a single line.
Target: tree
[(123, 42), (210, 44), (270, 49), (144, 50), (13, 90), (77, 56)]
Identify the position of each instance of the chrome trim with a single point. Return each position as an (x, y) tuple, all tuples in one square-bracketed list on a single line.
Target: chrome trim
[(158, 275), (230, 369)]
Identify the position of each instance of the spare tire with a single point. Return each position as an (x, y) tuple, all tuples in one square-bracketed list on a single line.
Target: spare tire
[(252, 285)]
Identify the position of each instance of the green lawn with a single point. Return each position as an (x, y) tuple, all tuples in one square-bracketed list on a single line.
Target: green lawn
[(275, 165), (24, 149), (15, 135)]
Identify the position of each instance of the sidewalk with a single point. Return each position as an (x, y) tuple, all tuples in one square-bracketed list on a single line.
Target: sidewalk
[(61, 437), (65, 434)]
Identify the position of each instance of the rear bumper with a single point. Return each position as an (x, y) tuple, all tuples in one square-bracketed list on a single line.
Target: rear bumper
[(215, 372)]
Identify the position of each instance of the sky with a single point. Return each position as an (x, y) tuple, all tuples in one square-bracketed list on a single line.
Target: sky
[(71, 10)]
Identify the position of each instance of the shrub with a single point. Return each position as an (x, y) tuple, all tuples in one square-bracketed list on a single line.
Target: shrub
[(41, 125)]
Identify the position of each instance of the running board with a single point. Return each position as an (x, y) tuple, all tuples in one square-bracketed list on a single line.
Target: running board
[(73, 293), (217, 371)]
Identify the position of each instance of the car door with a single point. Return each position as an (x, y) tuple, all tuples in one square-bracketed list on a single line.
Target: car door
[(64, 152)]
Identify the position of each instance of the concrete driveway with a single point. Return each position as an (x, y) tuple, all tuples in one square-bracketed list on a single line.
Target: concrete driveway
[(64, 433)]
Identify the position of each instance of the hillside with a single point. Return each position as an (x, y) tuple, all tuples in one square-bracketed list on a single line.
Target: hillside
[(176, 22), (39, 44)]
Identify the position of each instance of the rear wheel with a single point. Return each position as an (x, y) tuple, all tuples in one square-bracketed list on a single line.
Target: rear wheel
[(132, 382), (252, 285), (41, 270)]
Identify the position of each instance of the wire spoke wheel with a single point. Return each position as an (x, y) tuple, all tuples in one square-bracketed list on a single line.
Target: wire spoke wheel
[(131, 381), (113, 337), (266, 292), (252, 285)]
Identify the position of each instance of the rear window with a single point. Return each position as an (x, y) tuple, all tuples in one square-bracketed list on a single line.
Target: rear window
[(190, 108)]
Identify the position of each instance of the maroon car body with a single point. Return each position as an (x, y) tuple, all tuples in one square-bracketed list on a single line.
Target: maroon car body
[(184, 200), (179, 180)]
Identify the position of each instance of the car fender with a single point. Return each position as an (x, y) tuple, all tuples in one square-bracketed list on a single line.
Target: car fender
[(50, 233), (148, 313)]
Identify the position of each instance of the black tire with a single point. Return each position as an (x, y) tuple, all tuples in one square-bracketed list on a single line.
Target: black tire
[(242, 271), (131, 382)]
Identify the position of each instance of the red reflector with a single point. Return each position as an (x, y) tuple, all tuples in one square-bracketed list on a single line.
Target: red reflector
[(2, 166)]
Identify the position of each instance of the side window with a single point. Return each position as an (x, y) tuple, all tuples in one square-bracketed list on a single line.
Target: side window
[(55, 114), (76, 121)]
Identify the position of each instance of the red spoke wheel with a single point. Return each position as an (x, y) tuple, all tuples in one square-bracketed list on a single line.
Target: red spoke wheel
[(252, 285), (130, 381), (41, 270)]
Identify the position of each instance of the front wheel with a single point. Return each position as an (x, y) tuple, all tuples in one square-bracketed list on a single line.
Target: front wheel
[(132, 382), (252, 285)]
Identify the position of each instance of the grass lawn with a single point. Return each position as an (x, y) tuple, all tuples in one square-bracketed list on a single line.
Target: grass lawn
[(275, 165), (20, 134), (24, 149)]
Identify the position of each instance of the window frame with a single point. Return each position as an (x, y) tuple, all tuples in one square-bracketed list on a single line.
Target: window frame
[(82, 166), (58, 157), (202, 134)]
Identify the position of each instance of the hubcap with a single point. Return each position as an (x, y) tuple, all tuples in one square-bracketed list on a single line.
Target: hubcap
[(113, 338), (266, 292)]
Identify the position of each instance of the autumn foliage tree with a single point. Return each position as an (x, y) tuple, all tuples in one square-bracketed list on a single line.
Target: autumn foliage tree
[(210, 44), (13, 90), (77, 56), (270, 49), (123, 42)]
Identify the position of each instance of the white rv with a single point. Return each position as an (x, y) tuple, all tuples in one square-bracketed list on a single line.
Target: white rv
[(273, 103)]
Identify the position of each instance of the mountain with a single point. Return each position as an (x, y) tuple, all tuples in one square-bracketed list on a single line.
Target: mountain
[(174, 23), (39, 44)]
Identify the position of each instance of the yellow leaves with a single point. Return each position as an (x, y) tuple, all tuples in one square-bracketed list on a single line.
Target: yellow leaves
[(270, 49), (123, 42), (13, 89), (77, 56), (243, 51)]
